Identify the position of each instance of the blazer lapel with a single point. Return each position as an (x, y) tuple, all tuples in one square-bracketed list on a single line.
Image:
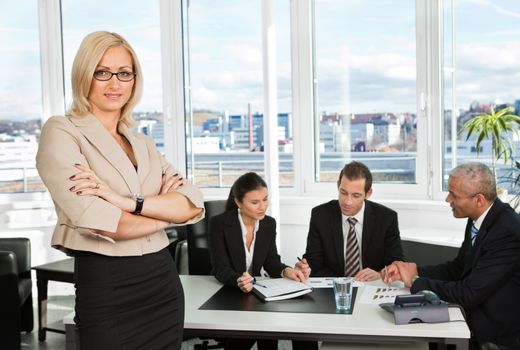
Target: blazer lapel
[(233, 236), (261, 247), (101, 139), (469, 251), (368, 228), (337, 233), (476, 249)]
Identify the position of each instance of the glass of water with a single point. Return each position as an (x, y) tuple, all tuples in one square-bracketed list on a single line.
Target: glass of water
[(343, 292)]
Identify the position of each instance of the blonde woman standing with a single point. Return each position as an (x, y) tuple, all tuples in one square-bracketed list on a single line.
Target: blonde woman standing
[(114, 194)]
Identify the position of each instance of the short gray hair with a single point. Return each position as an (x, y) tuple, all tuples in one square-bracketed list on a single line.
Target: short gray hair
[(478, 177)]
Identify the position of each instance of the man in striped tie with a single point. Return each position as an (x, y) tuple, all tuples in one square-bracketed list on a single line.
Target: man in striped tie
[(484, 278), (352, 236)]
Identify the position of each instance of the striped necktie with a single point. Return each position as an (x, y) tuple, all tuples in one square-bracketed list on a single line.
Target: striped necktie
[(352, 250), (474, 231)]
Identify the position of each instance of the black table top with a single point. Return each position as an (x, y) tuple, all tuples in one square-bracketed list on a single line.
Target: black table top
[(65, 266), (320, 300)]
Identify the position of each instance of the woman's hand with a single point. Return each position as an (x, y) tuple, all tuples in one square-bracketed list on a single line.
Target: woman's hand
[(171, 184), (245, 282), (87, 183), (293, 274)]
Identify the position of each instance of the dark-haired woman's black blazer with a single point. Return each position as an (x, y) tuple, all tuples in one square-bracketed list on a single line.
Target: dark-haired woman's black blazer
[(226, 246)]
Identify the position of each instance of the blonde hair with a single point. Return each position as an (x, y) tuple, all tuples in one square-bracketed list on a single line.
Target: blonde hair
[(90, 52)]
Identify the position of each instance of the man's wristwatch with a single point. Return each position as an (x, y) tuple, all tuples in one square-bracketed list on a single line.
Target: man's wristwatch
[(139, 201)]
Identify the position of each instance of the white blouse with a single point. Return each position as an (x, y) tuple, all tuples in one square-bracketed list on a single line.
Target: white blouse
[(249, 253)]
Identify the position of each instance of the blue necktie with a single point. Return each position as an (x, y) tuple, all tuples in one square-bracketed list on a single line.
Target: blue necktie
[(474, 232)]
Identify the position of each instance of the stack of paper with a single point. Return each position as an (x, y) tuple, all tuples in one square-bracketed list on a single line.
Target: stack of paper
[(279, 289)]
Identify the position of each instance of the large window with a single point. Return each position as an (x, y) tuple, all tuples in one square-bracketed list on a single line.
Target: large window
[(481, 70), (356, 80), (224, 94), (365, 88), (20, 96), (136, 21)]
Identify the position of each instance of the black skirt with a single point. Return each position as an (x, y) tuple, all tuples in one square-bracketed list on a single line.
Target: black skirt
[(125, 303)]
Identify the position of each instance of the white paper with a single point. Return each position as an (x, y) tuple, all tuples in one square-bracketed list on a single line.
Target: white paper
[(326, 282), (280, 288), (377, 295)]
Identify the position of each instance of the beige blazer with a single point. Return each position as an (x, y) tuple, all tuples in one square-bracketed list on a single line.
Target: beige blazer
[(68, 140)]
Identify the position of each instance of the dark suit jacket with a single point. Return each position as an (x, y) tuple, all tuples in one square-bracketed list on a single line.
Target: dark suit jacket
[(380, 245), (485, 278), (227, 252)]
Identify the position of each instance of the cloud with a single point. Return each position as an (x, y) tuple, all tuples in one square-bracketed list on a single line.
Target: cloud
[(360, 83), (485, 72), (230, 80), (498, 9), (26, 103), (243, 54), (496, 56)]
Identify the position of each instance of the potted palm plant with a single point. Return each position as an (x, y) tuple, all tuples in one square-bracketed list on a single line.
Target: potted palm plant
[(514, 179), (497, 125)]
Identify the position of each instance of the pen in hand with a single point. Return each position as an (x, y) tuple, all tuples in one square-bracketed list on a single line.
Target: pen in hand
[(258, 284)]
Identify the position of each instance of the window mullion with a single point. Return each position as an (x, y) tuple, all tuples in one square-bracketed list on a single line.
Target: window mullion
[(173, 86), (435, 105), (51, 51), (302, 80)]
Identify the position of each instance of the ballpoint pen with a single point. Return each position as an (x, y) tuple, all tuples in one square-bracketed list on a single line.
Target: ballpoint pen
[(258, 284)]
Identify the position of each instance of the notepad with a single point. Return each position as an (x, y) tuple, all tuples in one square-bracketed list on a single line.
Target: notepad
[(280, 289)]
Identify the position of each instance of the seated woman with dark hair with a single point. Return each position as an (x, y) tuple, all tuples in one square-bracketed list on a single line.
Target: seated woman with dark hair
[(243, 244)]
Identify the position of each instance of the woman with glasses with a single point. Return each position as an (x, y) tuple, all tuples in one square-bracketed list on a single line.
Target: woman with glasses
[(243, 245), (114, 195)]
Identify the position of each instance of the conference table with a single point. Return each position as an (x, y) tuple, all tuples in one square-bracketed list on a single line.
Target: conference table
[(368, 323)]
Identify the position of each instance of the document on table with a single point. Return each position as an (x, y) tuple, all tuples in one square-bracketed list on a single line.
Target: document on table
[(326, 282), (377, 295), (279, 289)]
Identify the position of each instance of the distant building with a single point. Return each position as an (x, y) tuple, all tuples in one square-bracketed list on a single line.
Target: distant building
[(206, 144), (387, 131), (17, 148)]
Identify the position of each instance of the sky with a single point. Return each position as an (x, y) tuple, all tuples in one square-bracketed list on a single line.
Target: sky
[(366, 59)]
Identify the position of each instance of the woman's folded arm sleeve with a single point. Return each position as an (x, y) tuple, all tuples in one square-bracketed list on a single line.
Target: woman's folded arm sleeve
[(58, 151)]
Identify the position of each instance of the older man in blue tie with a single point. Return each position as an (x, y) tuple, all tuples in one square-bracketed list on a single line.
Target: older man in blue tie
[(484, 278)]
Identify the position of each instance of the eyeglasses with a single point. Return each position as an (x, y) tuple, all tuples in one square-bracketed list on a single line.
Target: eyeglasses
[(104, 75)]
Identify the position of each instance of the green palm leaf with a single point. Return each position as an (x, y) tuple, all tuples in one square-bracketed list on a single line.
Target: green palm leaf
[(495, 125)]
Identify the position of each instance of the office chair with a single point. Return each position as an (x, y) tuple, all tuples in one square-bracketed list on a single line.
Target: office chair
[(178, 247), (199, 261), (15, 291)]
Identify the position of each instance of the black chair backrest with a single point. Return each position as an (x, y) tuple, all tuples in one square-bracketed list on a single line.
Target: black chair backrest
[(199, 262), (21, 247), (8, 264)]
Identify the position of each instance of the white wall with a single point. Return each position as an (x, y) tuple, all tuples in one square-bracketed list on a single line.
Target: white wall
[(425, 221)]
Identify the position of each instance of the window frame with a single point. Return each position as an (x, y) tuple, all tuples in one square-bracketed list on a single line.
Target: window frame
[(303, 106), (429, 88), (303, 81)]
